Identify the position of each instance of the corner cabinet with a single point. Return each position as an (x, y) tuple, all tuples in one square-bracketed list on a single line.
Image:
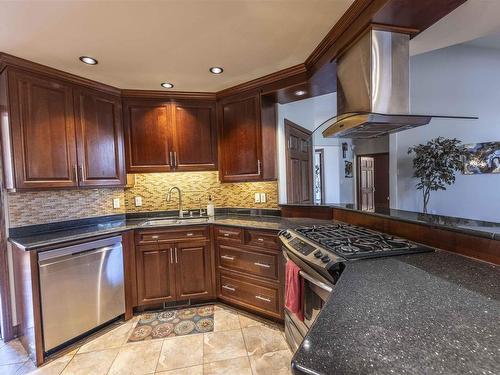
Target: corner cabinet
[(61, 135), (247, 138), (168, 136)]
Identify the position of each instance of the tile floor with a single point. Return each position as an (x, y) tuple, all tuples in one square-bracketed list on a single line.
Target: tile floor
[(240, 344)]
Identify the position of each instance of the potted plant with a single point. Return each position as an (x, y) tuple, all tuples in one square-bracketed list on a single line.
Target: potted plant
[(435, 164)]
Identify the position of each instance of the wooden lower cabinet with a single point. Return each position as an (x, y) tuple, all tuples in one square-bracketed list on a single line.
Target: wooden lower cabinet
[(155, 274), (193, 270), (250, 270), (169, 269)]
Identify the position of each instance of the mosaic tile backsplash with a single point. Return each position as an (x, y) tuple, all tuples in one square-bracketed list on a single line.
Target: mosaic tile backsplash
[(196, 186), (40, 207)]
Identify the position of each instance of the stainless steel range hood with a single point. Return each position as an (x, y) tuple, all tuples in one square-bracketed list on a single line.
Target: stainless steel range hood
[(373, 88)]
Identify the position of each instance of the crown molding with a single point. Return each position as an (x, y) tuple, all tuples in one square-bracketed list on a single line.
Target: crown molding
[(289, 76), (7, 61), (159, 94)]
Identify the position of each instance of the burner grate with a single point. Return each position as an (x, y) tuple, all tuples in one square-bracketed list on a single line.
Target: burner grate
[(353, 242)]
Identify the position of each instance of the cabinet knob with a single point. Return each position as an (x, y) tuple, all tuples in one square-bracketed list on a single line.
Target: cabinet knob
[(155, 237), (190, 234), (260, 239), (226, 234), (227, 257)]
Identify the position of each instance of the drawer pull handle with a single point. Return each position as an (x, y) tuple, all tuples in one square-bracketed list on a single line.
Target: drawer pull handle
[(263, 265), (155, 237), (227, 257), (260, 239), (230, 288), (226, 234), (263, 299), (190, 234)]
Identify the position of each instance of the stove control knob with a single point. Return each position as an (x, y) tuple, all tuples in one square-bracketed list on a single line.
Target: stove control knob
[(325, 259), (318, 254), (287, 235)]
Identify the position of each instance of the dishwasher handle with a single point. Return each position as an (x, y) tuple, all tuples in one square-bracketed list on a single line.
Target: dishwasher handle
[(73, 256), (80, 248)]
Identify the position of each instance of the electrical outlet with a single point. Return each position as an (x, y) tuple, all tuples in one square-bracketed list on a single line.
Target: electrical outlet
[(257, 197), (138, 201), (262, 197), (116, 203)]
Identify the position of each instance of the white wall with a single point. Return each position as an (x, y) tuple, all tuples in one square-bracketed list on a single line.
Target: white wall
[(458, 80), (310, 113)]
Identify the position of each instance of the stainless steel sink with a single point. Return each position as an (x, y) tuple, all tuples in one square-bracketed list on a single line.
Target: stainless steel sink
[(174, 221)]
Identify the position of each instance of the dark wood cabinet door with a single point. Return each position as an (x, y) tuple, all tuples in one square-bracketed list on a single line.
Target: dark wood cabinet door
[(43, 132), (299, 166), (155, 274), (147, 137), (194, 273), (240, 138), (194, 137), (99, 132)]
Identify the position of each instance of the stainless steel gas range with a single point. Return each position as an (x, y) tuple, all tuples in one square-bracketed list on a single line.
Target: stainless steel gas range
[(321, 252)]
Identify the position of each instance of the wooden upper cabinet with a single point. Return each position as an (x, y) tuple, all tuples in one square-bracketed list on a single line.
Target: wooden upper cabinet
[(148, 137), (240, 140), (170, 136), (43, 132), (194, 137), (247, 139), (99, 139)]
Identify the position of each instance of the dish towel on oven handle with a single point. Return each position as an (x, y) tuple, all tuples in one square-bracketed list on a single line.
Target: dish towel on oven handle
[(294, 290)]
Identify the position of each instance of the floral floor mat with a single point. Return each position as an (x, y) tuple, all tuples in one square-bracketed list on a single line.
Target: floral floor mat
[(170, 323)]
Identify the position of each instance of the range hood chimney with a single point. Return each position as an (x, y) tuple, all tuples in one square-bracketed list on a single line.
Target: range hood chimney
[(373, 88)]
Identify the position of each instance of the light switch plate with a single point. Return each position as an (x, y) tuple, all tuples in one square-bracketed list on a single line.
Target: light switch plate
[(263, 197), (138, 201), (116, 203), (257, 197)]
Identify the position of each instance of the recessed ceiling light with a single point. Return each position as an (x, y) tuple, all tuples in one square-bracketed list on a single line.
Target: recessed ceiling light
[(216, 70), (88, 60), (167, 85), (300, 92)]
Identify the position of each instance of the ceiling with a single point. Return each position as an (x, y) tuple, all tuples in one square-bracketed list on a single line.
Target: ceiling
[(140, 44), (472, 20)]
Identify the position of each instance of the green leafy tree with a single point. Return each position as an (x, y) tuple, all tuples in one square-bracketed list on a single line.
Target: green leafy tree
[(435, 164)]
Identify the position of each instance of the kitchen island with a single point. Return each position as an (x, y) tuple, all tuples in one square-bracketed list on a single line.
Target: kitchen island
[(432, 313)]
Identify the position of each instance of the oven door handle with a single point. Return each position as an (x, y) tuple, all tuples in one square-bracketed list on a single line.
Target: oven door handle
[(311, 279), (318, 283)]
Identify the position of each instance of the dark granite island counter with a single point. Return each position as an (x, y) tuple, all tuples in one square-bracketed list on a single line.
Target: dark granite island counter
[(432, 313)]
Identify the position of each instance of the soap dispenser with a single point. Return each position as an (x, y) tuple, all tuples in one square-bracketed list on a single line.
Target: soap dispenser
[(210, 207)]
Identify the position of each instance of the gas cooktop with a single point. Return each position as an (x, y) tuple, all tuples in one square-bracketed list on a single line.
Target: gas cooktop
[(352, 242)]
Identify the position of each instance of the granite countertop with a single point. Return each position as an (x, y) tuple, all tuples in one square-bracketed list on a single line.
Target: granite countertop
[(431, 313), (479, 228), (45, 236)]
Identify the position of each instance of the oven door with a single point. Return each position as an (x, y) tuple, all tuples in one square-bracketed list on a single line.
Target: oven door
[(316, 293)]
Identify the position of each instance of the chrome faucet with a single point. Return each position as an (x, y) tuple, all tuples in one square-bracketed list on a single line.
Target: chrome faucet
[(169, 199)]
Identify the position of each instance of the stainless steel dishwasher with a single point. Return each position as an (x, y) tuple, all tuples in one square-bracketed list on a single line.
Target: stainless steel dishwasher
[(81, 288)]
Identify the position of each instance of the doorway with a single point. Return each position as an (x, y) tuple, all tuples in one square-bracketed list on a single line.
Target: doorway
[(373, 181), (298, 155)]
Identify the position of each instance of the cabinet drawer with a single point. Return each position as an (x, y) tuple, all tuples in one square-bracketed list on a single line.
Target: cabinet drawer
[(172, 235), (261, 238), (234, 235), (249, 261), (249, 293)]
